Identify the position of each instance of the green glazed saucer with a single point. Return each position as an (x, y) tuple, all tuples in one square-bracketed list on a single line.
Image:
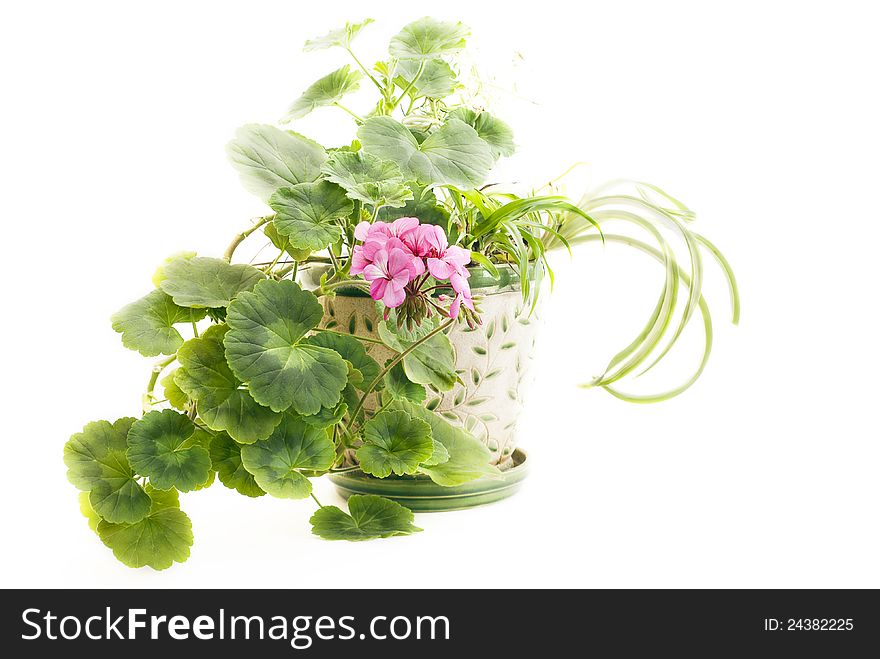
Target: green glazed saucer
[(422, 495)]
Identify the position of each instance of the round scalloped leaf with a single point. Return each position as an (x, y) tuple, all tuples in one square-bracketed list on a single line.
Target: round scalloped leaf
[(308, 213), (265, 348), (221, 402), (428, 38), (327, 416), (226, 458), (400, 387), (468, 459), (98, 453), (85, 507), (368, 178), (326, 91), (436, 81), (452, 155), (439, 455), (173, 393), (97, 463), (369, 517), (161, 538), (341, 37), (295, 445), (268, 158), (394, 442), (159, 274), (164, 446), (423, 205), (431, 362), (283, 243), (204, 282), (120, 500), (352, 351), (147, 324), (497, 134)]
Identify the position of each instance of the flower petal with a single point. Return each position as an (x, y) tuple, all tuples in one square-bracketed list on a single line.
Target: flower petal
[(455, 307), (440, 269), (377, 288), (393, 296), (362, 230)]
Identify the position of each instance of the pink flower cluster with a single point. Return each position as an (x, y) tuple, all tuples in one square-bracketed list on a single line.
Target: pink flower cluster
[(397, 258)]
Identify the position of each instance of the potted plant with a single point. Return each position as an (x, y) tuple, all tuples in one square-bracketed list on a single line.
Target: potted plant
[(386, 340)]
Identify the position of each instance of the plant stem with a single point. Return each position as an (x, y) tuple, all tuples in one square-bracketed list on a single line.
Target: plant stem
[(333, 260), (244, 234), (409, 86), (154, 378), (195, 329), (365, 70), (316, 500), (391, 364), (275, 262), (342, 107)]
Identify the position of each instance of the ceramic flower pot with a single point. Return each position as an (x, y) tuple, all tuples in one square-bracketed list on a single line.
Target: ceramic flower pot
[(493, 362)]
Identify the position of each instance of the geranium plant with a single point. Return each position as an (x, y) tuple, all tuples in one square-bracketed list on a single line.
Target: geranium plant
[(264, 395)]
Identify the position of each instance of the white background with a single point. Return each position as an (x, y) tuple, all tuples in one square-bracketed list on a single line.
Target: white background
[(762, 116)]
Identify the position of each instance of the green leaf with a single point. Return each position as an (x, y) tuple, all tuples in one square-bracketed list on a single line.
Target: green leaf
[(98, 453), (161, 446), (204, 282), (368, 178), (294, 445), (265, 348), (221, 401), (394, 442), (423, 205), (370, 517), (97, 463), (327, 417), (453, 155), (431, 362), (163, 537), (147, 325), (173, 393), (326, 91), (428, 38), (400, 387), (307, 214), (341, 37), (497, 134), (268, 158), (120, 500), (159, 274), (439, 455), (85, 507), (226, 460), (468, 459), (436, 81), (283, 243), (352, 351)]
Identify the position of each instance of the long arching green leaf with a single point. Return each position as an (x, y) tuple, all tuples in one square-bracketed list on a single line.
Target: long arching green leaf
[(707, 326)]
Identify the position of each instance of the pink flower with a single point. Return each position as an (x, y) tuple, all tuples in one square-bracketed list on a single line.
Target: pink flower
[(366, 231), (444, 260), (420, 240), (463, 293), (388, 274), (381, 235)]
